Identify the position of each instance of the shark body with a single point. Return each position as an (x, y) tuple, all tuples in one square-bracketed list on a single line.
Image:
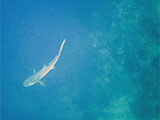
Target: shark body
[(37, 76)]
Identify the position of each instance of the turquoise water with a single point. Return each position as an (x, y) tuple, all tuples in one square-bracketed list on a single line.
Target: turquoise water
[(108, 69)]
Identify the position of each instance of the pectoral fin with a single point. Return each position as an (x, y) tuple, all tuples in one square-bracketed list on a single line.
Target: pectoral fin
[(41, 83)]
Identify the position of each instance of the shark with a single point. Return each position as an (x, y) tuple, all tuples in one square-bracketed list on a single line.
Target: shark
[(37, 76)]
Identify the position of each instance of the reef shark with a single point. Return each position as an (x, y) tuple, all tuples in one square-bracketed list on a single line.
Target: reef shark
[(37, 76)]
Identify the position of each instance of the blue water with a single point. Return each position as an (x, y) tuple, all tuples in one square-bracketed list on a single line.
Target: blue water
[(108, 69)]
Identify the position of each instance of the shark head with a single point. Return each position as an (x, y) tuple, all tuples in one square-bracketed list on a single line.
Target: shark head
[(29, 82)]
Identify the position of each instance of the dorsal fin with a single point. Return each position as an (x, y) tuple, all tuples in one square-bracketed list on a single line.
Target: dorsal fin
[(44, 66), (34, 70)]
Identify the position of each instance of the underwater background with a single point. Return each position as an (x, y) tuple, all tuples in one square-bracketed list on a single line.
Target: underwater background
[(108, 69)]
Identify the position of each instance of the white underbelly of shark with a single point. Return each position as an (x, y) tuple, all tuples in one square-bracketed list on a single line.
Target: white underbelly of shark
[(37, 76)]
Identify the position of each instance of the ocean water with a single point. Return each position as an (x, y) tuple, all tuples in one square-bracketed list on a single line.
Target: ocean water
[(108, 69)]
